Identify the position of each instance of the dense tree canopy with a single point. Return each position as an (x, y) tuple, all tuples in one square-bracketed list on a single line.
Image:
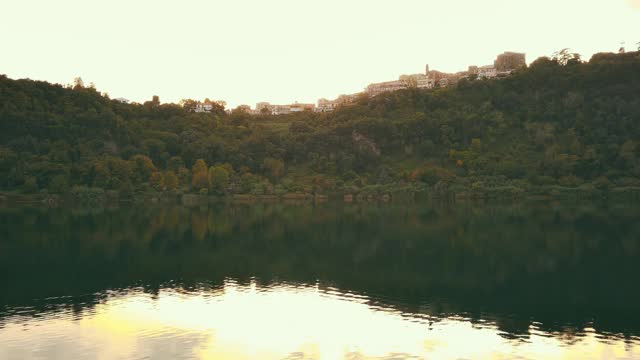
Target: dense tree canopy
[(561, 123)]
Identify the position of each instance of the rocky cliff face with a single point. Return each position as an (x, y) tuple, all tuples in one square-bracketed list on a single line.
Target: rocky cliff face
[(364, 143)]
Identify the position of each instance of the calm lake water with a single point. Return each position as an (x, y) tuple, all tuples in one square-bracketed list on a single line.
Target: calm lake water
[(330, 281)]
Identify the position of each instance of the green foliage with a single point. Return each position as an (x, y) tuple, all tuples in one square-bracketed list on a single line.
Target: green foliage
[(562, 122), (30, 185), (218, 180), (170, 181), (126, 190), (200, 178), (274, 168), (58, 184), (87, 194)]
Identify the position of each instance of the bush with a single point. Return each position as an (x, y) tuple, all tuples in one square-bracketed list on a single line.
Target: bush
[(58, 184), (542, 180), (570, 181), (126, 190), (426, 148), (602, 183), (204, 192), (349, 175), (279, 190), (433, 175), (87, 194), (257, 189), (30, 185)]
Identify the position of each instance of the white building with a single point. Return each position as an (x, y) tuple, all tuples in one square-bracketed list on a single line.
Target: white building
[(387, 86), (283, 109), (487, 72), (325, 105), (420, 81), (199, 108), (298, 107)]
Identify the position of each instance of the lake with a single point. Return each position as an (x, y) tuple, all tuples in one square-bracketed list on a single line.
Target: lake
[(324, 281)]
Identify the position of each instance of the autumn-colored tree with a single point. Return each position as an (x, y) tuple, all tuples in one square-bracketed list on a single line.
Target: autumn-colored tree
[(143, 168), (199, 179), (170, 181), (156, 180), (199, 167)]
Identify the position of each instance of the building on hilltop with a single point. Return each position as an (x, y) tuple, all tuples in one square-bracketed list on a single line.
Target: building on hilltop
[(298, 107), (263, 108), (203, 107), (199, 108), (509, 61), (267, 108), (325, 105), (386, 86), (487, 72), (504, 65), (420, 81)]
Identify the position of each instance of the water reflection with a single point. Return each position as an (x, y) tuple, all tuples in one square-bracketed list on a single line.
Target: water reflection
[(328, 282), (238, 321)]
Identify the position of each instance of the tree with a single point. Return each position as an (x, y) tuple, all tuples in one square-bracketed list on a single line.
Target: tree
[(274, 168), (175, 163), (58, 184), (126, 190), (78, 83), (170, 181), (217, 106), (143, 168), (188, 104), (30, 185), (476, 145), (565, 57), (199, 179), (156, 180), (218, 180)]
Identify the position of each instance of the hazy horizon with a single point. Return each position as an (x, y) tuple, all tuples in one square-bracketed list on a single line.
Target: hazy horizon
[(245, 52)]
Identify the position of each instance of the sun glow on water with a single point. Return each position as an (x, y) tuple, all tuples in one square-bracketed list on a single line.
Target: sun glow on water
[(278, 322)]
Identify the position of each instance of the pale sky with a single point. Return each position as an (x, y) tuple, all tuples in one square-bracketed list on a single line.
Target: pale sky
[(281, 51)]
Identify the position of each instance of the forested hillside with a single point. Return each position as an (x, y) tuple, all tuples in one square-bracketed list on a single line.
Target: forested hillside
[(560, 125)]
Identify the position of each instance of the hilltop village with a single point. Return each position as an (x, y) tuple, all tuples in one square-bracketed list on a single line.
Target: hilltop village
[(503, 66), (559, 127)]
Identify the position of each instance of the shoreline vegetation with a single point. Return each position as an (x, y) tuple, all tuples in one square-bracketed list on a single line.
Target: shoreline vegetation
[(562, 128), (386, 195)]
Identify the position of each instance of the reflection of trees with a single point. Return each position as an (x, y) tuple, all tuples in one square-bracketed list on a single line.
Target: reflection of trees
[(567, 267)]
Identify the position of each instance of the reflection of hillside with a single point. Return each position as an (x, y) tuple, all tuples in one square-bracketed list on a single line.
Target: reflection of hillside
[(565, 267)]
